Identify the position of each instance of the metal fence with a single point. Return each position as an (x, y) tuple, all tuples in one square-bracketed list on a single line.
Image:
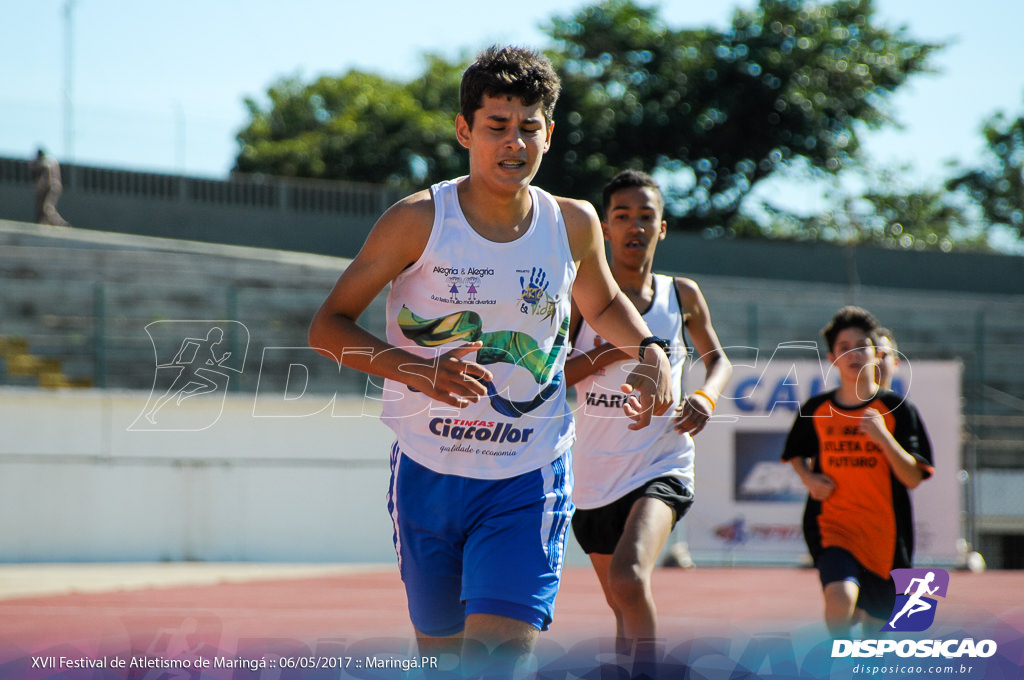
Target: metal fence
[(239, 191)]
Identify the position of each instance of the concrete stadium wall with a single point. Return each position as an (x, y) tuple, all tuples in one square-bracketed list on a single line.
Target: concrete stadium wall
[(333, 218), (270, 479), (77, 483), (330, 218), (277, 480), (851, 266)]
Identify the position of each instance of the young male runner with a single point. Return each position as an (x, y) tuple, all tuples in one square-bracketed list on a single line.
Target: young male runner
[(858, 449), (632, 487), (481, 270)]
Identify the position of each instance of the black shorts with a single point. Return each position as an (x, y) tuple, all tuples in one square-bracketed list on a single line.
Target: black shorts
[(598, 530), (877, 595)]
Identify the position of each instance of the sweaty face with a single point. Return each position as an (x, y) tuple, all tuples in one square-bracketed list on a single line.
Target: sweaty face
[(507, 141), (633, 225)]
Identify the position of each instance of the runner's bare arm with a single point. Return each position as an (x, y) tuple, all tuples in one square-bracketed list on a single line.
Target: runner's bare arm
[(396, 241), (696, 409), (818, 485), (582, 364), (585, 361), (904, 466)]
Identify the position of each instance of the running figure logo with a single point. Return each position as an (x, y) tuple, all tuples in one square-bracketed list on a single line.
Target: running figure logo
[(914, 611), (204, 355)]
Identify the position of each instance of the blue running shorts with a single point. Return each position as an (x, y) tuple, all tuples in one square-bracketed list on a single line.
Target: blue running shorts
[(479, 546)]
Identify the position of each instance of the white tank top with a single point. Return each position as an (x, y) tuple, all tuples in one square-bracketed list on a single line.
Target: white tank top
[(610, 460), (513, 296)]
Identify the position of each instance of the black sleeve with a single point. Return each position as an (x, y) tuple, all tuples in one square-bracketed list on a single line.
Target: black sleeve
[(802, 441), (911, 434)]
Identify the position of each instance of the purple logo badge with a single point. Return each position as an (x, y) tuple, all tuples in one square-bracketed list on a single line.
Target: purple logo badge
[(915, 606)]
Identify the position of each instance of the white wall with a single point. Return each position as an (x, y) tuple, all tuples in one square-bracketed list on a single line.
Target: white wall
[(81, 479), (265, 477)]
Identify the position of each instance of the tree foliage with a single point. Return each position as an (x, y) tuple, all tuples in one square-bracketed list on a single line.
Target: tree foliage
[(790, 83), (997, 186), (790, 80), (886, 213), (358, 127)]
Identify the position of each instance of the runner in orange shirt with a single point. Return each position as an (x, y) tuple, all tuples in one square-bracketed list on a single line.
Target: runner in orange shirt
[(858, 449)]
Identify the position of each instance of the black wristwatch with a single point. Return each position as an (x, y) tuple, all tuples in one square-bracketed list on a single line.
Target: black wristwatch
[(653, 340)]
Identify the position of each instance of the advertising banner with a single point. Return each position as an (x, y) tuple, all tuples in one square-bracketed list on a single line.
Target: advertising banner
[(750, 505)]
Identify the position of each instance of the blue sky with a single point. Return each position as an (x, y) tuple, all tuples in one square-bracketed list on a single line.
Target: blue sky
[(160, 86)]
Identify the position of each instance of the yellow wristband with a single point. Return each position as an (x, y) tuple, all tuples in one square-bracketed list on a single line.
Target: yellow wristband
[(706, 396)]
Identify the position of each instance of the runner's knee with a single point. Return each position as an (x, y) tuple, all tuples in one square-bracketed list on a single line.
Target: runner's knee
[(627, 583)]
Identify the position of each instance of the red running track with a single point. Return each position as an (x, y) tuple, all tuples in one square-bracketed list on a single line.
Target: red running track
[(312, 613)]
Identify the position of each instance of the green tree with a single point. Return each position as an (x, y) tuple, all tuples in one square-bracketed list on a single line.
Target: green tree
[(359, 127), (997, 185), (790, 84), (887, 213), (789, 81)]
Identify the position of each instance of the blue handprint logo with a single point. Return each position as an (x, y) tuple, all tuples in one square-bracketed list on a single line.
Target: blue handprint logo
[(538, 286)]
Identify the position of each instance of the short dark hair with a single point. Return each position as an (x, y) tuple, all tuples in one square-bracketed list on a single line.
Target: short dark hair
[(514, 71), (884, 332), (851, 316), (627, 179)]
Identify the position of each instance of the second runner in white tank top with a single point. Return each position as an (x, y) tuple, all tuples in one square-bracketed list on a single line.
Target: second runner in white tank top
[(611, 460)]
